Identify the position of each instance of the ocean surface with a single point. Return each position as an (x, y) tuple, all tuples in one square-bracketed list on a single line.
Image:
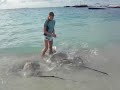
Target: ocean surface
[(93, 34)]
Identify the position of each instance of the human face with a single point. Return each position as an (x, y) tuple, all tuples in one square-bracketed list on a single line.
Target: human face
[(51, 17)]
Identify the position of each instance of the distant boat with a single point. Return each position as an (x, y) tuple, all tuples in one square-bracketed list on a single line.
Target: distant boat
[(114, 6), (97, 6)]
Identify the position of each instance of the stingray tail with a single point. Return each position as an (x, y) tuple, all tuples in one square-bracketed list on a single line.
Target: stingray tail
[(58, 78), (53, 77), (96, 70)]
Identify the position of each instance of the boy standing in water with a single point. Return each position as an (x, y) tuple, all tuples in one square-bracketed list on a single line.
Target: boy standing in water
[(49, 33)]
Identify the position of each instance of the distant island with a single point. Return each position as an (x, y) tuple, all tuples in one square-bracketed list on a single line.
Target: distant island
[(77, 6), (96, 6)]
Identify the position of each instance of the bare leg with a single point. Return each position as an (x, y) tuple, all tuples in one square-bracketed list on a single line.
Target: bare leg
[(50, 47), (46, 48)]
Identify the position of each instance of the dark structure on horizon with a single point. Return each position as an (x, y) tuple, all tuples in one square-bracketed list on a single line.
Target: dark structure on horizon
[(77, 6)]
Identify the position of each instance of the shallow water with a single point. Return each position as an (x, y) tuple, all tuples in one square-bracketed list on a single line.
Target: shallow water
[(75, 78), (92, 35)]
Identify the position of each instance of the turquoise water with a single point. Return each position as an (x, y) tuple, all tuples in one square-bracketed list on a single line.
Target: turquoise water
[(21, 30), (93, 35)]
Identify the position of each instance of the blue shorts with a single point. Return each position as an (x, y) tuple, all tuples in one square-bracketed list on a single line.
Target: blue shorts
[(48, 38)]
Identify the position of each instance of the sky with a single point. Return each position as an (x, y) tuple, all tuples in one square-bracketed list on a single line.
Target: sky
[(8, 4)]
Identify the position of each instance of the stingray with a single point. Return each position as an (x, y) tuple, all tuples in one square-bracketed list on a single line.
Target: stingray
[(30, 69), (62, 59), (33, 69)]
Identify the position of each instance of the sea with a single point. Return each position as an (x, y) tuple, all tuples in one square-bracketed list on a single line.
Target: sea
[(93, 35)]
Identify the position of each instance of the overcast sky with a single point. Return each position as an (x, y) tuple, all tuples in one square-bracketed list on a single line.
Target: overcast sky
[(48, 3)]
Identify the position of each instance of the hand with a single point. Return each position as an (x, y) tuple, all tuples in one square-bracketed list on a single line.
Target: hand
[(54, 35)]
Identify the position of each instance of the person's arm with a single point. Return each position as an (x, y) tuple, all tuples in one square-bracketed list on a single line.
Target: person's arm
[(45, 31)]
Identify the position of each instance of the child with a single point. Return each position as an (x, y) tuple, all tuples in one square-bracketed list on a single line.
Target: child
[(49, 33)]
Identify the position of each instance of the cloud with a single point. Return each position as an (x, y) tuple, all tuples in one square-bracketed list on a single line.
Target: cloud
[(7, 4), (10, 4), (2, 1)]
